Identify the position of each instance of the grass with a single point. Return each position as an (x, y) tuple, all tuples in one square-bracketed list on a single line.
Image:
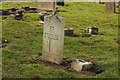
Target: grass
[(25, 41)]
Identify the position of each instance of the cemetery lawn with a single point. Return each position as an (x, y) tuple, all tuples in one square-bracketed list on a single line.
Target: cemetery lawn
[(25, 41)]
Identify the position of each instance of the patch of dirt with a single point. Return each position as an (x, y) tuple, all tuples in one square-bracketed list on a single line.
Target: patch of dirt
[(66, 67)]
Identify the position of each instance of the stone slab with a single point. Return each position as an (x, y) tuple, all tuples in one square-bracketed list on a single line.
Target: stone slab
[(46, 6), (109, 7), (53, 39)]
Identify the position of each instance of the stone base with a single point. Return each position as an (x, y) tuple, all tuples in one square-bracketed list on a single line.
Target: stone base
[(69, 32)]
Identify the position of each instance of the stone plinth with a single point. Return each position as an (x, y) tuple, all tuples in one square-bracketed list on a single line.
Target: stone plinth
[(69, 31), (93, 30), (53, 39)]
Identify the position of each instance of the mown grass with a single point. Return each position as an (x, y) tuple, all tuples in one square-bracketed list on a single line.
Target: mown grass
[(25, 41)]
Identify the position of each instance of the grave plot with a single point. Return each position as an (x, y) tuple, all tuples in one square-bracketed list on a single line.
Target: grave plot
[(65, 66)]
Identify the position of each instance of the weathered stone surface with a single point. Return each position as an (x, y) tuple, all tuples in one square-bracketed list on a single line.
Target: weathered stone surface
[(109, 7), (53, 39), (69, 31), (12, 17), (93, 30), (80, 65), (46, 6)]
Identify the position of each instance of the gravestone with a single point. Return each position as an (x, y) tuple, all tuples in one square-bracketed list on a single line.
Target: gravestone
[(92, 30), (46, 6), (60, 2), (69, 31), (53, 39), (109, 7), (12, 17)]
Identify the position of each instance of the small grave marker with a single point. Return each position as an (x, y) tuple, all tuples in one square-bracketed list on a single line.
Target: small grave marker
[(69, 31), (12, 17), (60, 2), (93, 30), (109, 7), (53, 39)]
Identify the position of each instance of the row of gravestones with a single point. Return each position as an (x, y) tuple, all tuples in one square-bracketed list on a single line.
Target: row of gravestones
[(14, 10), (109, 6)]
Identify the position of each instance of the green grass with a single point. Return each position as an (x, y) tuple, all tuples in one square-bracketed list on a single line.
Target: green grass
[(25, 40)]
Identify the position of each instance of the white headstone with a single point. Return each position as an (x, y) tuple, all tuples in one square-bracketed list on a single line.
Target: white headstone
[(53, 39)]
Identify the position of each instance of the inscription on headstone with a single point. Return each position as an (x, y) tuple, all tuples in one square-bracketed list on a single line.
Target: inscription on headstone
[(53, 39), (109, 7)]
